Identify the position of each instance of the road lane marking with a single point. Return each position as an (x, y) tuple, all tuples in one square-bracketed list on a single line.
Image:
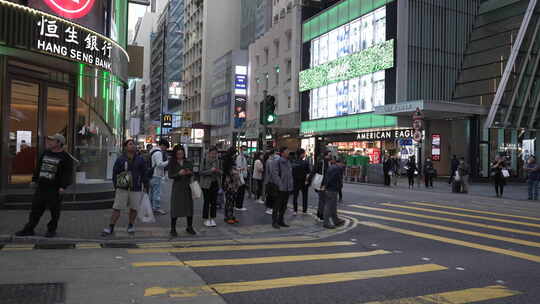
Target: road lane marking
[(236, 287), (457, 297), (263, 260), (516, 254), (476, 211), (87, 246), (445, 219), (18, 247), (239, 247), (462, 231), (464, 215), (180, 292), (226, 242)]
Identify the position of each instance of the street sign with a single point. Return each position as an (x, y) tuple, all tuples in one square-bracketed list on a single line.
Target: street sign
[(166, 121), (418, 125), (186, 120)]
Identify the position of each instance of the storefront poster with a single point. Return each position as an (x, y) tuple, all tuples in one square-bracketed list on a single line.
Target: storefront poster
[(436, 147), (24, 140)]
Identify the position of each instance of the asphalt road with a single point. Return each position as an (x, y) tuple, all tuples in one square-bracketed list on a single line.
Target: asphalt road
[(406, 247)]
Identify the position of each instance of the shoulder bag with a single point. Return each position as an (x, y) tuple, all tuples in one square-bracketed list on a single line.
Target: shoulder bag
[(124, 179)]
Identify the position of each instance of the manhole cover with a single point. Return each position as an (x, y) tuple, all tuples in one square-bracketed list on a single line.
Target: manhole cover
[(48, 293)]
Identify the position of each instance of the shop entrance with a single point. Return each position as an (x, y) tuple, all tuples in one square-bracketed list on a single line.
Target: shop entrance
[(35, 109)]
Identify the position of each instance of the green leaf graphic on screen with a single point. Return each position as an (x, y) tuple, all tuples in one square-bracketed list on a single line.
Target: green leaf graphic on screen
[(377, 58)]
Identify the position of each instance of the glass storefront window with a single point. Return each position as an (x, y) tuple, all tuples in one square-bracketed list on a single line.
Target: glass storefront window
[(99, 124), (23, 131)]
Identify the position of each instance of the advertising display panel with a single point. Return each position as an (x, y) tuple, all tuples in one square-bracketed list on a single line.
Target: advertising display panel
[(88, 13)]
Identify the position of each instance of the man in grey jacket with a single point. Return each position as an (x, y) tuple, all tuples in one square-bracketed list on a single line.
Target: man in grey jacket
[(280, 181)]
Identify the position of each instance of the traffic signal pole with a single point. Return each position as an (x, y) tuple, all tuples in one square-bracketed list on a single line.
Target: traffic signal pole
[(265, 122)]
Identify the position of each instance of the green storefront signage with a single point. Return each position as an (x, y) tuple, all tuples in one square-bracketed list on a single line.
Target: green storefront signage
[(349, 122), (377, 58)]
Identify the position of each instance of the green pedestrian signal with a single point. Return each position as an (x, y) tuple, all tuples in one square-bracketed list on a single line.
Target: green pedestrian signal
[(267, 111)]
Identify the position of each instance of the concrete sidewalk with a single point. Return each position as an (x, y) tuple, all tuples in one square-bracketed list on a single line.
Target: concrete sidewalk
[(87, 225), (515, 191)]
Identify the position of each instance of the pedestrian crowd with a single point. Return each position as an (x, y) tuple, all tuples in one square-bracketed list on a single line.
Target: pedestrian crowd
[(137, 174), (222, 180), (460, 171)]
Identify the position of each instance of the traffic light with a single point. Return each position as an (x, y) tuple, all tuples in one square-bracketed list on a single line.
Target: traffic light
[(267, 114)]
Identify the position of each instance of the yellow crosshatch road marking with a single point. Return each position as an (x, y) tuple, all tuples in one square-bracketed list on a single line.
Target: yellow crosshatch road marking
[(468, 232), (18, 247), (235, 287), (465, 215), (239, 247), (457, 297), (226, 242), (445, 219), (477, 211), (516, 254), (264, 260)]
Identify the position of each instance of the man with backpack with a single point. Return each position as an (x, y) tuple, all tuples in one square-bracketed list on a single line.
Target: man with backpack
[(156, 173)]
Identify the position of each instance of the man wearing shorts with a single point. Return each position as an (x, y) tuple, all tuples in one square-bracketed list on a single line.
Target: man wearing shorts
[(129, 180)]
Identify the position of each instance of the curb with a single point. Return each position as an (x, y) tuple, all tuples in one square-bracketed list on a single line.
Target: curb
[(12, 243)]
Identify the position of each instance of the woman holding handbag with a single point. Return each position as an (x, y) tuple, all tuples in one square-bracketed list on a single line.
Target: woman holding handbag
[(499, 179), (181, 172)]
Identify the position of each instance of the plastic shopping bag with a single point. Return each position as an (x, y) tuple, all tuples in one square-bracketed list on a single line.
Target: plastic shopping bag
[(196, 191), (145, 213), (317, 181)]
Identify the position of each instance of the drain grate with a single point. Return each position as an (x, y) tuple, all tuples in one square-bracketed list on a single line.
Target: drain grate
[(47, 293)]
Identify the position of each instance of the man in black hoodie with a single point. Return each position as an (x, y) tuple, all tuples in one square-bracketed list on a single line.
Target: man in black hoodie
[(52, 176)]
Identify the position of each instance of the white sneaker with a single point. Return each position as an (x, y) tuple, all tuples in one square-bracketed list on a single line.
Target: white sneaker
[(131, 229), (295, 213), (269, 211), (212, 223), (207, 223), (240, 209), (259, 201)]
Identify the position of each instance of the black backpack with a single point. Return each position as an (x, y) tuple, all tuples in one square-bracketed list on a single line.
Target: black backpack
[(149, 168)]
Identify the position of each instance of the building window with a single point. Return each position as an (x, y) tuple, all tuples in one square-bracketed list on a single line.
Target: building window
[(257, 81), (266, 55), (289, 102), (258, 60), (277, 77), (266, 82), (276, 47), (288, 36), (289, 68)]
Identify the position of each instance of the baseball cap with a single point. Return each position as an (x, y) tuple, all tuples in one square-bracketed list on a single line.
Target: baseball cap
[(59, 137)]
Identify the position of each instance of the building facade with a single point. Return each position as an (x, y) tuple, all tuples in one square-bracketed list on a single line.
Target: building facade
[(474, 86), (274, 66), (167, 62), (228, 98), (57, 76), (193, 54)]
